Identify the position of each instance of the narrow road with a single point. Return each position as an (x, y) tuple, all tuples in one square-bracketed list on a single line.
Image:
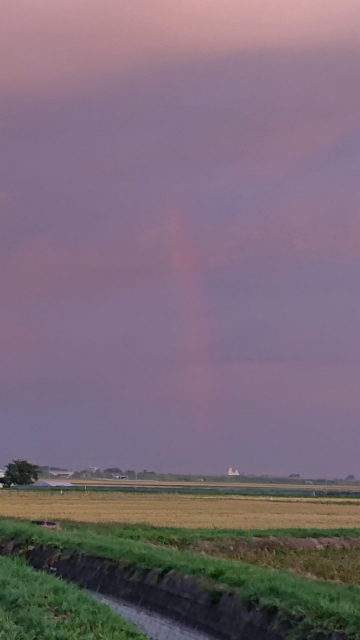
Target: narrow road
[(152, 625)]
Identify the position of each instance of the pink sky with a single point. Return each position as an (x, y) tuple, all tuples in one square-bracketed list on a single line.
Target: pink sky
[(180, 235)]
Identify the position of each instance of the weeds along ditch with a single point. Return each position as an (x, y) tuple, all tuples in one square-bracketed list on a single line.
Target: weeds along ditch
[(311, 608), (38, 606), (326, 554)]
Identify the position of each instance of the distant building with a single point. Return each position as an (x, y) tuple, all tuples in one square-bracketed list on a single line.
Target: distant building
[(63, 473), (2, 473), (121, 477), (53, 483), (232, 472)]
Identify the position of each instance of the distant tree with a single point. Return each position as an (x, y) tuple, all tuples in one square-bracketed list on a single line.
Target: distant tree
[(20, 472), (113, 470), (350, 477)]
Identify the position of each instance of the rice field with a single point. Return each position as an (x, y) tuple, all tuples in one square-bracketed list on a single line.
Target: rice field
[(340, 565), (335, 559), (177, 484), (174, 510)]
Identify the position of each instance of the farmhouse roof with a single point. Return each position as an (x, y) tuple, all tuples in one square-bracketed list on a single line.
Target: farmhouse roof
[(52, 483)]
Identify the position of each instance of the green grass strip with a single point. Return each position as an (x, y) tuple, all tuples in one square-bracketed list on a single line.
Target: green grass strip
[(313, 607), (8, 629), (177, 536), (38, 606)]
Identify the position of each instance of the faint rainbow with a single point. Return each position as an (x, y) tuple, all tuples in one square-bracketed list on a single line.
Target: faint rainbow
[(195, 340)]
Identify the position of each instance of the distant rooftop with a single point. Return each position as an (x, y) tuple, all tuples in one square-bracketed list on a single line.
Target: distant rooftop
[(52, 483)]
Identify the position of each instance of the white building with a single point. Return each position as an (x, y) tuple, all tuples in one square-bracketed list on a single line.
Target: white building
[(232, 472), (2, 473), (61, 473)]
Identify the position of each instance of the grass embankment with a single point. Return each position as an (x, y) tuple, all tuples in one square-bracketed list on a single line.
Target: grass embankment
[(34, 605), (312, 608), (329, 563)]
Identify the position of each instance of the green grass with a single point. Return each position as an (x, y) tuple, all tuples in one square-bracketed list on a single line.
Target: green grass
[(39, 606), (312, 608), (185, 537), (8, 628)]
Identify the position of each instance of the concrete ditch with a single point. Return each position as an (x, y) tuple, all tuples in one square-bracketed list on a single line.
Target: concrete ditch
[(209, 608), (150, 624)]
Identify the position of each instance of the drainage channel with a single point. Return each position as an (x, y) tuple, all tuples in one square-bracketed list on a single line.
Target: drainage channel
[(150, 624)]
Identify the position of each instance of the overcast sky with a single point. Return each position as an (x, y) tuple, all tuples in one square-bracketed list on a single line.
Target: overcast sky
[(180, 234)]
